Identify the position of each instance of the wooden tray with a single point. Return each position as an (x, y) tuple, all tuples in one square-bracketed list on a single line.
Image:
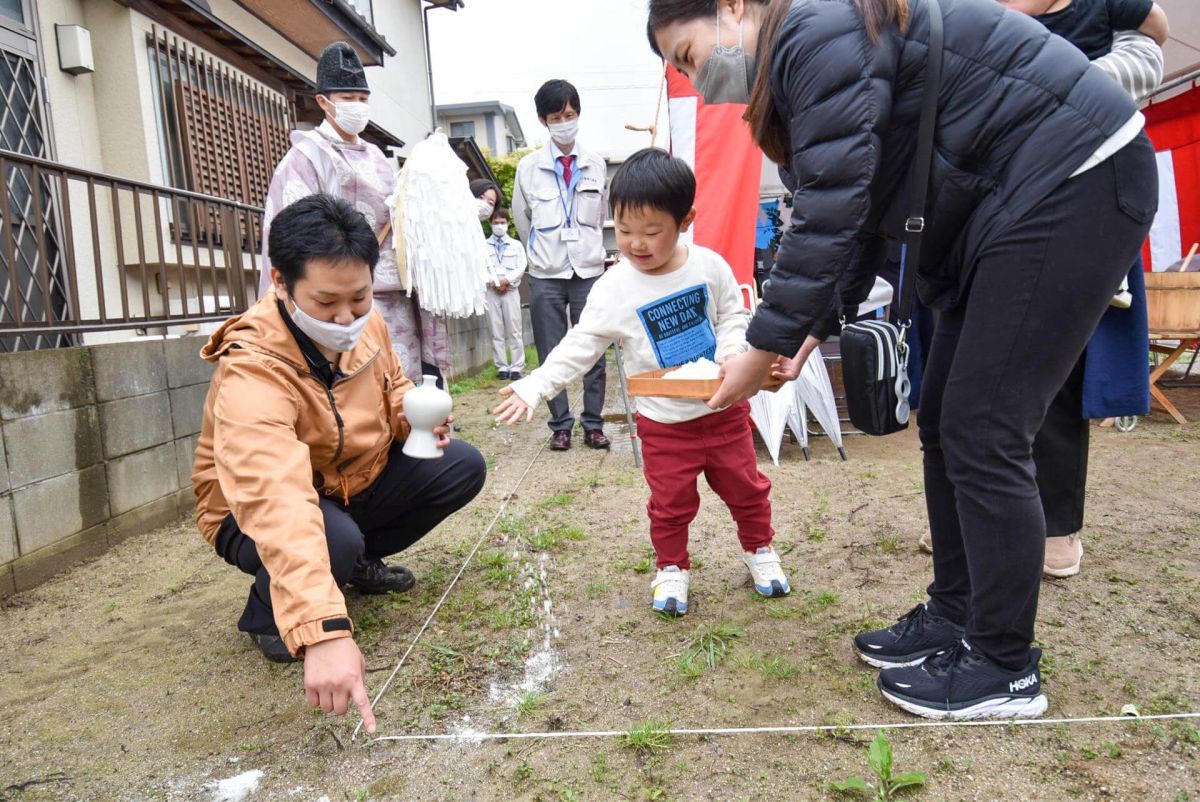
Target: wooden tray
[(651, 383)]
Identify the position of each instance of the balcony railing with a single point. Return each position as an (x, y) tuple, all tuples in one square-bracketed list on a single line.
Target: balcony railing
[(82, 251)]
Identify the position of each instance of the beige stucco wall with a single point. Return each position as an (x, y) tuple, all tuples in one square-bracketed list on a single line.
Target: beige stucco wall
[(400, 88)]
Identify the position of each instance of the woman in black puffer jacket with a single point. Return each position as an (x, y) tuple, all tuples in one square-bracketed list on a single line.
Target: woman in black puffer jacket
[(1042, 191)]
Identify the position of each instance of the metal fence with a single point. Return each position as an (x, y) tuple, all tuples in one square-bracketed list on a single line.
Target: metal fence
[(82, 251)]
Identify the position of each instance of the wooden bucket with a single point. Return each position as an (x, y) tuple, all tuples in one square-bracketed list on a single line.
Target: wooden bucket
[(1173, 301)]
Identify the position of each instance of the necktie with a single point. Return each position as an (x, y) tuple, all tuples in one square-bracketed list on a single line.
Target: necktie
[(568, 171)]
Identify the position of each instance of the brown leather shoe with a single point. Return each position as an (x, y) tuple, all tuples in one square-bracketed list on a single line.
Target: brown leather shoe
[(594, 438), (560, 440)]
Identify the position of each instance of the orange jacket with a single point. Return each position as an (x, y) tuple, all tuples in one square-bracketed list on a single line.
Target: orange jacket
[(275, 438)]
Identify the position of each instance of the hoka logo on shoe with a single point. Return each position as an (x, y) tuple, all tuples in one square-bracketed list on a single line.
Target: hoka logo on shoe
[(1022, 683)]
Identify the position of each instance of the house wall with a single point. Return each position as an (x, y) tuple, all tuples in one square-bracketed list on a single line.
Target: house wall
[(96, 445)]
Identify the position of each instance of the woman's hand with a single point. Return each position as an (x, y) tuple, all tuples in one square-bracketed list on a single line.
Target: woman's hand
[(744, 375), (512, 409), (789, 369)]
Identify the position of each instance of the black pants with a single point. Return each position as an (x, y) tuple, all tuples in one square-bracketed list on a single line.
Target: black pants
[(1060, 453), (407, 501), (550, 302), (996, 362)]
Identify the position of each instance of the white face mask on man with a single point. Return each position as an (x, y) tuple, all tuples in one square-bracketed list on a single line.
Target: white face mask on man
[(334, 336), (564, 133), (351, 116), (499, 231)]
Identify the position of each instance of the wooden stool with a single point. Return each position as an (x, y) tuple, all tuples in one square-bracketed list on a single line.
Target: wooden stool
[(1187, 341)]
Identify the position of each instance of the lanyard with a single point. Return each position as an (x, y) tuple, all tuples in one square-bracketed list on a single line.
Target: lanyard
[(568, 209)]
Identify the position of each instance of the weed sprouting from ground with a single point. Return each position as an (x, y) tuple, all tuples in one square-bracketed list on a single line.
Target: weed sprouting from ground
[(643, 565), (887, 785), (557, 500), (647, 738), (528, 703), (707, 648)]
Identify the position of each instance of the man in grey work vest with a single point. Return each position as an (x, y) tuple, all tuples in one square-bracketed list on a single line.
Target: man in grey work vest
[(559, 202)]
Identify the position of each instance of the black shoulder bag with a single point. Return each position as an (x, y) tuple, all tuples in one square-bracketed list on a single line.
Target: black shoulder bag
[(874, 352)]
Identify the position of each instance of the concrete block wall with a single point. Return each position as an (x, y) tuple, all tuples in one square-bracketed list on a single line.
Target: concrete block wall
[(471, 343), (96, 445)]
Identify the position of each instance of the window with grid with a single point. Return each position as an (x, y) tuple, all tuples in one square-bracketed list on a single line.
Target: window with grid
[(466, 129), (220, 133)]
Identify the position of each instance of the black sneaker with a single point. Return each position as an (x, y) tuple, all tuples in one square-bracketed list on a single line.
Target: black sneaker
[(272, 647), (916, 635), (372, 577), (515, 375), (961, 683), (503, 374)]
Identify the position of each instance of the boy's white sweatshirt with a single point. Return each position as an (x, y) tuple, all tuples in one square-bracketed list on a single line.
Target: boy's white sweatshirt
[(660, 321)]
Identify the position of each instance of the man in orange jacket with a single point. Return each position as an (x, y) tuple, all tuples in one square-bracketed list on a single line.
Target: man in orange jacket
[(299, 475)]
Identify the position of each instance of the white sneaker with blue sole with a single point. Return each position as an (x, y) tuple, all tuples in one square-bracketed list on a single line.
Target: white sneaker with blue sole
[(670, 588), (765, 569)]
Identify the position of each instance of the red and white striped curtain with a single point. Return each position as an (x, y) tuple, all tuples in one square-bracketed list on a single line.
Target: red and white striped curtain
[(1174, 128), (716, 142)]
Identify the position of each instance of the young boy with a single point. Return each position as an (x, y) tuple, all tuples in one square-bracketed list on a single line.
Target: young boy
[(669, 303), (506, 265)]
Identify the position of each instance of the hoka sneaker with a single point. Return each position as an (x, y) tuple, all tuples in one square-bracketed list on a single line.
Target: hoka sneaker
[(916, 635), (670, 591), (768, 576), (960, 683)]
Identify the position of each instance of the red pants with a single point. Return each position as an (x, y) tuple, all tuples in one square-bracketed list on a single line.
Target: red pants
[(721, 446)]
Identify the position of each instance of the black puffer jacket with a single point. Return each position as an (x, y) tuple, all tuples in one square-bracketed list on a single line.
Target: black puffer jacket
[(1018, 111)]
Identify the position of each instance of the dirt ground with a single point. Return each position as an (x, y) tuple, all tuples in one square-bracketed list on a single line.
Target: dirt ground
[(125, 678)]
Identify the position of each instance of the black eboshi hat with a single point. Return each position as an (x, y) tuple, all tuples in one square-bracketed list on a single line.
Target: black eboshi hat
[(340, 70)]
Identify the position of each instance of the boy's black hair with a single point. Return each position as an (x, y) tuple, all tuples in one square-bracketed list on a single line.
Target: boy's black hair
[(554, 96), (498, 213), (319, 227), (653, 179)]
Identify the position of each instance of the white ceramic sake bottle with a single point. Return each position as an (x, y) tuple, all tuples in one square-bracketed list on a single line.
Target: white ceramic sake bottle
[(425, 407)]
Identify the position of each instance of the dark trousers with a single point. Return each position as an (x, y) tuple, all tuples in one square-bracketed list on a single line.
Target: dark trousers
[(996, 362), (407, 501), (1060, 453), (551, 300)]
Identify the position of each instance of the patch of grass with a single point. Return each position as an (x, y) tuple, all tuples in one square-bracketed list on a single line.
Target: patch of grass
[(707, 648), (648, 738), (497, 567), (598, 769), (479, 381), (522, 773), (596, 590), (814, 533), (771, 666), (515, 526), (644, 565), (528, 703), (557, 500), (888, 544)]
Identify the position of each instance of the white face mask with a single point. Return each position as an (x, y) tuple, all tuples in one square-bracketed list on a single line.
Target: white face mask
[(564, 133), (500, 231), (486, 207), (351, 116), (334, 336)]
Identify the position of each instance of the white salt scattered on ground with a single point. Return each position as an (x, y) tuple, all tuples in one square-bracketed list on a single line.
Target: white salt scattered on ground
[(702, 368), (236, 788)]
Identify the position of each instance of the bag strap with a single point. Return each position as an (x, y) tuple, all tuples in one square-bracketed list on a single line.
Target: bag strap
[(914, 226)]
